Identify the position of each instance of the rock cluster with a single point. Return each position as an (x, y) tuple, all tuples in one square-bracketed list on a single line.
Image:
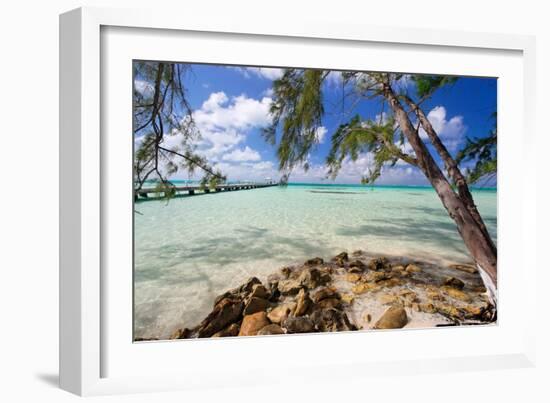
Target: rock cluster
[(320, 296), (294, 300)]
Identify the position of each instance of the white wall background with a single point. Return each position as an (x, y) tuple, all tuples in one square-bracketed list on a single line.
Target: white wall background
[(28, 225)]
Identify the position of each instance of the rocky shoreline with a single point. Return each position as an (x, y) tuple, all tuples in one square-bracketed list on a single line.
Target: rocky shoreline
[(347, 293)]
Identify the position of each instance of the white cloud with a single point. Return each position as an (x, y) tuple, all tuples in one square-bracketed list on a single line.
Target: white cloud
[(240, 113), (214, 143), (249, 170), (450, 131), (320, 133), (144, 88), (403, 83), (334, 78), (352, 171), (224, 123), (262, 72), (246, 154), (214, 101), (268, 92)]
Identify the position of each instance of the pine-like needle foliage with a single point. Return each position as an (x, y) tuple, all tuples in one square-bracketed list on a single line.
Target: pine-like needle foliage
[(297, 110), (426, 85), (484, 152), (161, 110)]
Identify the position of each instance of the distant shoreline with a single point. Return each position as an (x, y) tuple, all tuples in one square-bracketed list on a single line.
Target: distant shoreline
[(351, 185)]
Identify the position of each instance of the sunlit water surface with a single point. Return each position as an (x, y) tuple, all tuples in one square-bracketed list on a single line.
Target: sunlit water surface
[(191, 249)]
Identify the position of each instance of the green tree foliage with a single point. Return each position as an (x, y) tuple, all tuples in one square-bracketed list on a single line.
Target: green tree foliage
[(161, 110), (484, 152), (298, 107), (297, 110), (426, 85)]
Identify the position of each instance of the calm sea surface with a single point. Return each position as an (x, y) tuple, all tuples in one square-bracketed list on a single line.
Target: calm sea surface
[(191, 249)]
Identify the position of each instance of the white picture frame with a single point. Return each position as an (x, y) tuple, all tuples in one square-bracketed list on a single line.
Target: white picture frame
[(88, 316)]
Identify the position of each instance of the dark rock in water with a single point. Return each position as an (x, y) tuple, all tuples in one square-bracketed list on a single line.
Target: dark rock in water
[(250, 283), (303, 303), (357, 266), (427, 308), (289, 287), (230, 331), (340, 259), (379, 263), (329, 303), (273, 279), (343, 256), (227, 294), (281, 312), (270, 329), (316, 261), (227, 311), (376, 276), (395, 317), (181, 334), (449, 311), (285, 271), (412, 268), (299, 324), (310, 278), (454, 282), (464, 267), (473, 312), (331, 320), (253, 323), (273, 287), (255, 305), (324, 293)]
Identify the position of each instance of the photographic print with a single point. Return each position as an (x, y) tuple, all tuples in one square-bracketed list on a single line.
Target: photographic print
[(275, 201)]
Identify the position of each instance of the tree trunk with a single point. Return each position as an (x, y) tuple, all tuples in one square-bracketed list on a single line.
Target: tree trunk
[(481, 249), (452, 169)]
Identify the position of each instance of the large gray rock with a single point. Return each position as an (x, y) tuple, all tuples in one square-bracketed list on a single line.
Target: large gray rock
[(331, 320), (300, 324), (270, 329)]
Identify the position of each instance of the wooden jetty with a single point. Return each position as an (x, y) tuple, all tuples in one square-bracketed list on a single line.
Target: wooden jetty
[(191, 190)]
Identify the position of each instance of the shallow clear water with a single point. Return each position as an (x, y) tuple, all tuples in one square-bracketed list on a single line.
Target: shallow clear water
[(191, 249)]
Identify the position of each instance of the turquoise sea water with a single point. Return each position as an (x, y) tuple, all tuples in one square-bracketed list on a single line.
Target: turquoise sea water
[(191, 249)]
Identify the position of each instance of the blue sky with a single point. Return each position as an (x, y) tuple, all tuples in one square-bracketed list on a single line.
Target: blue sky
[(231, 105)]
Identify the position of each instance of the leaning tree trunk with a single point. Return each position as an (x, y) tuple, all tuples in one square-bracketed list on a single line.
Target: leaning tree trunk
[(474, 235), (452, 169)]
